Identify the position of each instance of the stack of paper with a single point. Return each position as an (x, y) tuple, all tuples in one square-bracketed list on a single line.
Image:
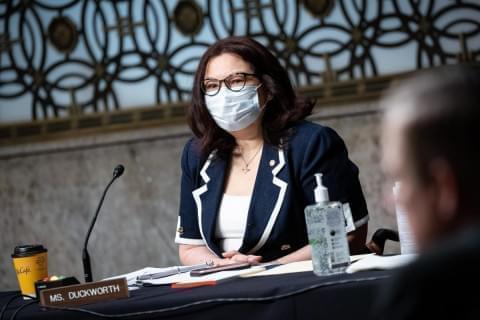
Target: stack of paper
[(299, 266), (184, 279), (132, 276), (214, 278), (375, 262)]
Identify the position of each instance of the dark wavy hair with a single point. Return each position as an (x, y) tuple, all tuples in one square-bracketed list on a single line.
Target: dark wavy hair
[(282, 111)]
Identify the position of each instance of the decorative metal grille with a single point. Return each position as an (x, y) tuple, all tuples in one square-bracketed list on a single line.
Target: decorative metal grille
[(73, 57)]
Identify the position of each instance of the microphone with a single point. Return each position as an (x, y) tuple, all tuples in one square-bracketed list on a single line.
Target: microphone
[(87, 268)]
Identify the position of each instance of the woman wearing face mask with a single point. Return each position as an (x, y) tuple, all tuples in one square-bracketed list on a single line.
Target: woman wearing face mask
[(249, 172)]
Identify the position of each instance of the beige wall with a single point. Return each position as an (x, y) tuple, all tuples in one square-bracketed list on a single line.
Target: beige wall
[(49, 192)]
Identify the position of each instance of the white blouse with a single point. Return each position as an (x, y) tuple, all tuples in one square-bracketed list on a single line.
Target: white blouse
[(232, 221)]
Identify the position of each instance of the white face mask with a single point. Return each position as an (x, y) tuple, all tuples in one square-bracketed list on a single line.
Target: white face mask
[(233, 111)]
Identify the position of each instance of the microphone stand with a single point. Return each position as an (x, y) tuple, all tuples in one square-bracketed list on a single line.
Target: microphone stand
[(87, 268)]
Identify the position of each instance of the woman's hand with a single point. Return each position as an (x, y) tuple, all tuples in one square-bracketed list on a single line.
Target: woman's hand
[(194, 254), (235, 256)]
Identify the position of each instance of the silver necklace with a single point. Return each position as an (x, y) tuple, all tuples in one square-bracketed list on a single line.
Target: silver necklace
[(246, 168)]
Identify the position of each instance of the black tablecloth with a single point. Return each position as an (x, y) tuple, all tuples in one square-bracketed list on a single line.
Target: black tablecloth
[(291, 296)]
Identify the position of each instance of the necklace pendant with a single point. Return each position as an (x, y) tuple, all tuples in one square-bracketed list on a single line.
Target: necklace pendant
[(245, 170)]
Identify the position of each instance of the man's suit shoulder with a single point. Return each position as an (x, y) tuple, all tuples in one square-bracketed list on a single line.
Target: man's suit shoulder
[(438, 284)]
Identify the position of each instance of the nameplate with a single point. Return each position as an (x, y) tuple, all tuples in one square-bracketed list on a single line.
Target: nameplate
[(84, 293)]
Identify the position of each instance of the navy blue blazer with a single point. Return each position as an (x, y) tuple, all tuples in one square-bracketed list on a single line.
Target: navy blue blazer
[(283, 188)]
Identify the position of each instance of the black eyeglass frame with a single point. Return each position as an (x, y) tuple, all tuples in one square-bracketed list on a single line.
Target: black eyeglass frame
[(225, 81)]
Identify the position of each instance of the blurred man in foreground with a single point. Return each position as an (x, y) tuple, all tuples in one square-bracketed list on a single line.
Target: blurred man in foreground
[(431, 143)]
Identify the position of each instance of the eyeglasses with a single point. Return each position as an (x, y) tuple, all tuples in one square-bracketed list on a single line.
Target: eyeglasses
[(235, 82)]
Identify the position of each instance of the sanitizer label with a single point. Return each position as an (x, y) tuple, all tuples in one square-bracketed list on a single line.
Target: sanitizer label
[(328, 239)]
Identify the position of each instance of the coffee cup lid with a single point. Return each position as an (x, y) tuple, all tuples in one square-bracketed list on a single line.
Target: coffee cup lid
[(27, 250)]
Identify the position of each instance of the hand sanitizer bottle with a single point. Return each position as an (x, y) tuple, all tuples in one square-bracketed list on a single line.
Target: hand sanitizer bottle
[(326, 233)]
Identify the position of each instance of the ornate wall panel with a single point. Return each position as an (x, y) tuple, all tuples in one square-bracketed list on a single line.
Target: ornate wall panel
[(80, 64)]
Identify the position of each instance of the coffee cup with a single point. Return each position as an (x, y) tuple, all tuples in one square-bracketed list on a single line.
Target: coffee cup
[(31, 264)]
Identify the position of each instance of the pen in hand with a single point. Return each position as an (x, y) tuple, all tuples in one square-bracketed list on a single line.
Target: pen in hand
[(213, 269), (172, 271)]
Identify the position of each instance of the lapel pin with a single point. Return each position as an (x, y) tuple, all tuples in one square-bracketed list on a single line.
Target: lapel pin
[(271, 163)]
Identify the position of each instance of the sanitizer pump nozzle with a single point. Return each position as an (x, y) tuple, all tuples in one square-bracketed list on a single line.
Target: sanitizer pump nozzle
[(321, 192)]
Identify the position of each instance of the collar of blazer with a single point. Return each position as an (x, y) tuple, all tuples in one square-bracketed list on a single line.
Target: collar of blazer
[(268, 195)]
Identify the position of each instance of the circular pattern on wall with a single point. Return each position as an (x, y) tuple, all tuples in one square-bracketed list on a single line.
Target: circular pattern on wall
[(109, 50), (319, 8), (63, 34), (188, 17)]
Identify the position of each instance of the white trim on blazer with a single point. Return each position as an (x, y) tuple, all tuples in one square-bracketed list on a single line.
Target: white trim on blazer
[(273, 216), (278, 204), (196, 196)]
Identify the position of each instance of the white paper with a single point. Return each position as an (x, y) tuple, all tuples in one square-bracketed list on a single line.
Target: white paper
[(132, 276), (293, 267), (407, 239), (376, 262), (221, 275)]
